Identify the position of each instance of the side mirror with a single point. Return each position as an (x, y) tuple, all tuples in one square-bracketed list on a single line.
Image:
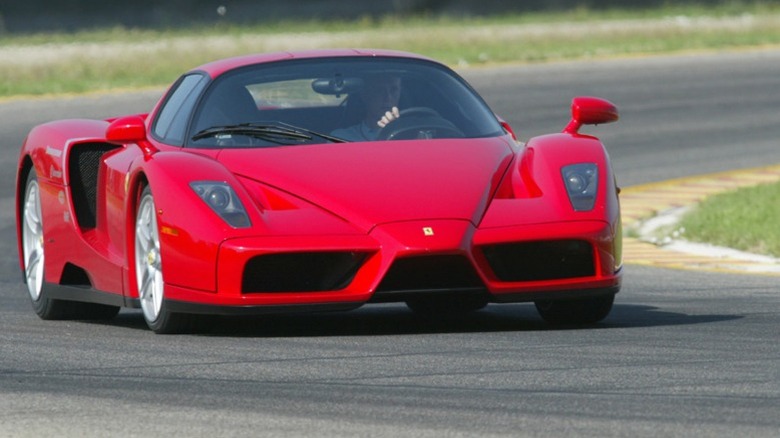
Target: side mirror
[(507, 128), (590, 111), (129, 129)]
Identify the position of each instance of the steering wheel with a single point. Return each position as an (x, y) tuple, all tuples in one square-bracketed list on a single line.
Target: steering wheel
[(419, 122)]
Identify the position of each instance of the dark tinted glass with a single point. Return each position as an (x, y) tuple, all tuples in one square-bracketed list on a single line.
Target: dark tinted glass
[(332, 95), (172, 118)]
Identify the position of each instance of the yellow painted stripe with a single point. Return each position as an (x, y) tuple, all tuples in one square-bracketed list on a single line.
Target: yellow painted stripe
[(642, 202)]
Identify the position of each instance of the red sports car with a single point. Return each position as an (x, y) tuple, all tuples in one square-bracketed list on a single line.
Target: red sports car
[(319, 180)]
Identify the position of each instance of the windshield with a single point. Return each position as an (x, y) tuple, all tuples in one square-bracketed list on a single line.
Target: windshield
[(338, 99)]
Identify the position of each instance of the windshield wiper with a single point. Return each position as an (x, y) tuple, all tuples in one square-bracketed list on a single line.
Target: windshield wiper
[(275, 132), (265, 132), (330, 138)]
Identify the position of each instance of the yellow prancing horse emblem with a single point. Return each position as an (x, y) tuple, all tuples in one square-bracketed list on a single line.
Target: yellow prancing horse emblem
[(428, 231)]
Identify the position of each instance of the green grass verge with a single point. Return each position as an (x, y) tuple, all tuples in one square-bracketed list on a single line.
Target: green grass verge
[(745, 219), (130, 58)]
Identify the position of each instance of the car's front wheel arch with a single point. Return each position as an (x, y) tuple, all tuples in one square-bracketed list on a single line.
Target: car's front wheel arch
[(147, 274)]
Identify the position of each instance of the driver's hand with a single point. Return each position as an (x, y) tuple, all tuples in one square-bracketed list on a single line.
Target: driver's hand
[(389, 117)]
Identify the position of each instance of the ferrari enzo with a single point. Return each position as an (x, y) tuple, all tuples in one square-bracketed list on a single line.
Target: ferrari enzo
[(261, 184)]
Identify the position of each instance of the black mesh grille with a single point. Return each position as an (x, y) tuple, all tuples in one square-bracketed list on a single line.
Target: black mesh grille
[(428, 273), (301, 272), (83, 168), (533, 261)]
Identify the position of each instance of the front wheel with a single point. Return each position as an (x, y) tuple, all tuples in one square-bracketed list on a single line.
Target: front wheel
[(575, 311), (148, 271)]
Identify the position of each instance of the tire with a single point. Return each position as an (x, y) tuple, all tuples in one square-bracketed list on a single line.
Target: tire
[(34, 256), (150, 284), (32, 244), (576, 311)]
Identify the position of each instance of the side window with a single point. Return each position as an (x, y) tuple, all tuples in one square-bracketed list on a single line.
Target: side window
[(172, 119)]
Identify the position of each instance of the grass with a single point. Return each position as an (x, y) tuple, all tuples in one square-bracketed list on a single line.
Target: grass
[(131, 58), (745, 219), (114, 58)]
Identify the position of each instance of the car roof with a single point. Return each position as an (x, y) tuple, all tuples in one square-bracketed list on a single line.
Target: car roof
[(219, 67)]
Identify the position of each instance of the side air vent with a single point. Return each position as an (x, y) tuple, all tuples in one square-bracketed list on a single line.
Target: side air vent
[(535, 261), (83, 172), (301, 272)]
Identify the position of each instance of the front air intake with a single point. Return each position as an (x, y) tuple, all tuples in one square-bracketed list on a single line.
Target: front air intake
[(538, 261), (429, 273), (301, 272)]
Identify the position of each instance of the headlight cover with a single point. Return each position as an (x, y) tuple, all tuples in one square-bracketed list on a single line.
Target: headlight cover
[(582, 181), (224, 201)]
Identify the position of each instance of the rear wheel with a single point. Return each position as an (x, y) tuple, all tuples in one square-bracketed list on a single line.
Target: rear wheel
[(34, 257), (32, 238), (149, 273), (576, 311)]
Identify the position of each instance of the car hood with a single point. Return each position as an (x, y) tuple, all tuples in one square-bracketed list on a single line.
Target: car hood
[(373, 183)]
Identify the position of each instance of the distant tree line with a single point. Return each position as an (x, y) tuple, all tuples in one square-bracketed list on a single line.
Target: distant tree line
[(20, 16)]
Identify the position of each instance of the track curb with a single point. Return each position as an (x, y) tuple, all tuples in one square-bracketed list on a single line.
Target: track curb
[(644, 202)]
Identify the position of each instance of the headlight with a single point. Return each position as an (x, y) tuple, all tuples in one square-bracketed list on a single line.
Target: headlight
[(224, 201), (582, 181)]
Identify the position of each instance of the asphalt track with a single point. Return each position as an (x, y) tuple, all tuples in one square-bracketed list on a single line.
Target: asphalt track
[(684, 352)]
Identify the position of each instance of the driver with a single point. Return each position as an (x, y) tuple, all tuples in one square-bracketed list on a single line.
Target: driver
[(380, 98)]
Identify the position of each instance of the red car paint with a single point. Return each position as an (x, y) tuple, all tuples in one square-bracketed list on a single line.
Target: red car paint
[(445, 202)]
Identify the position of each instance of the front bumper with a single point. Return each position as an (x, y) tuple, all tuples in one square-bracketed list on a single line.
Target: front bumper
[(399, 260)]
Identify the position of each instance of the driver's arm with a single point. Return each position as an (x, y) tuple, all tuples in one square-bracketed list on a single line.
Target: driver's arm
[(389, 117)]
